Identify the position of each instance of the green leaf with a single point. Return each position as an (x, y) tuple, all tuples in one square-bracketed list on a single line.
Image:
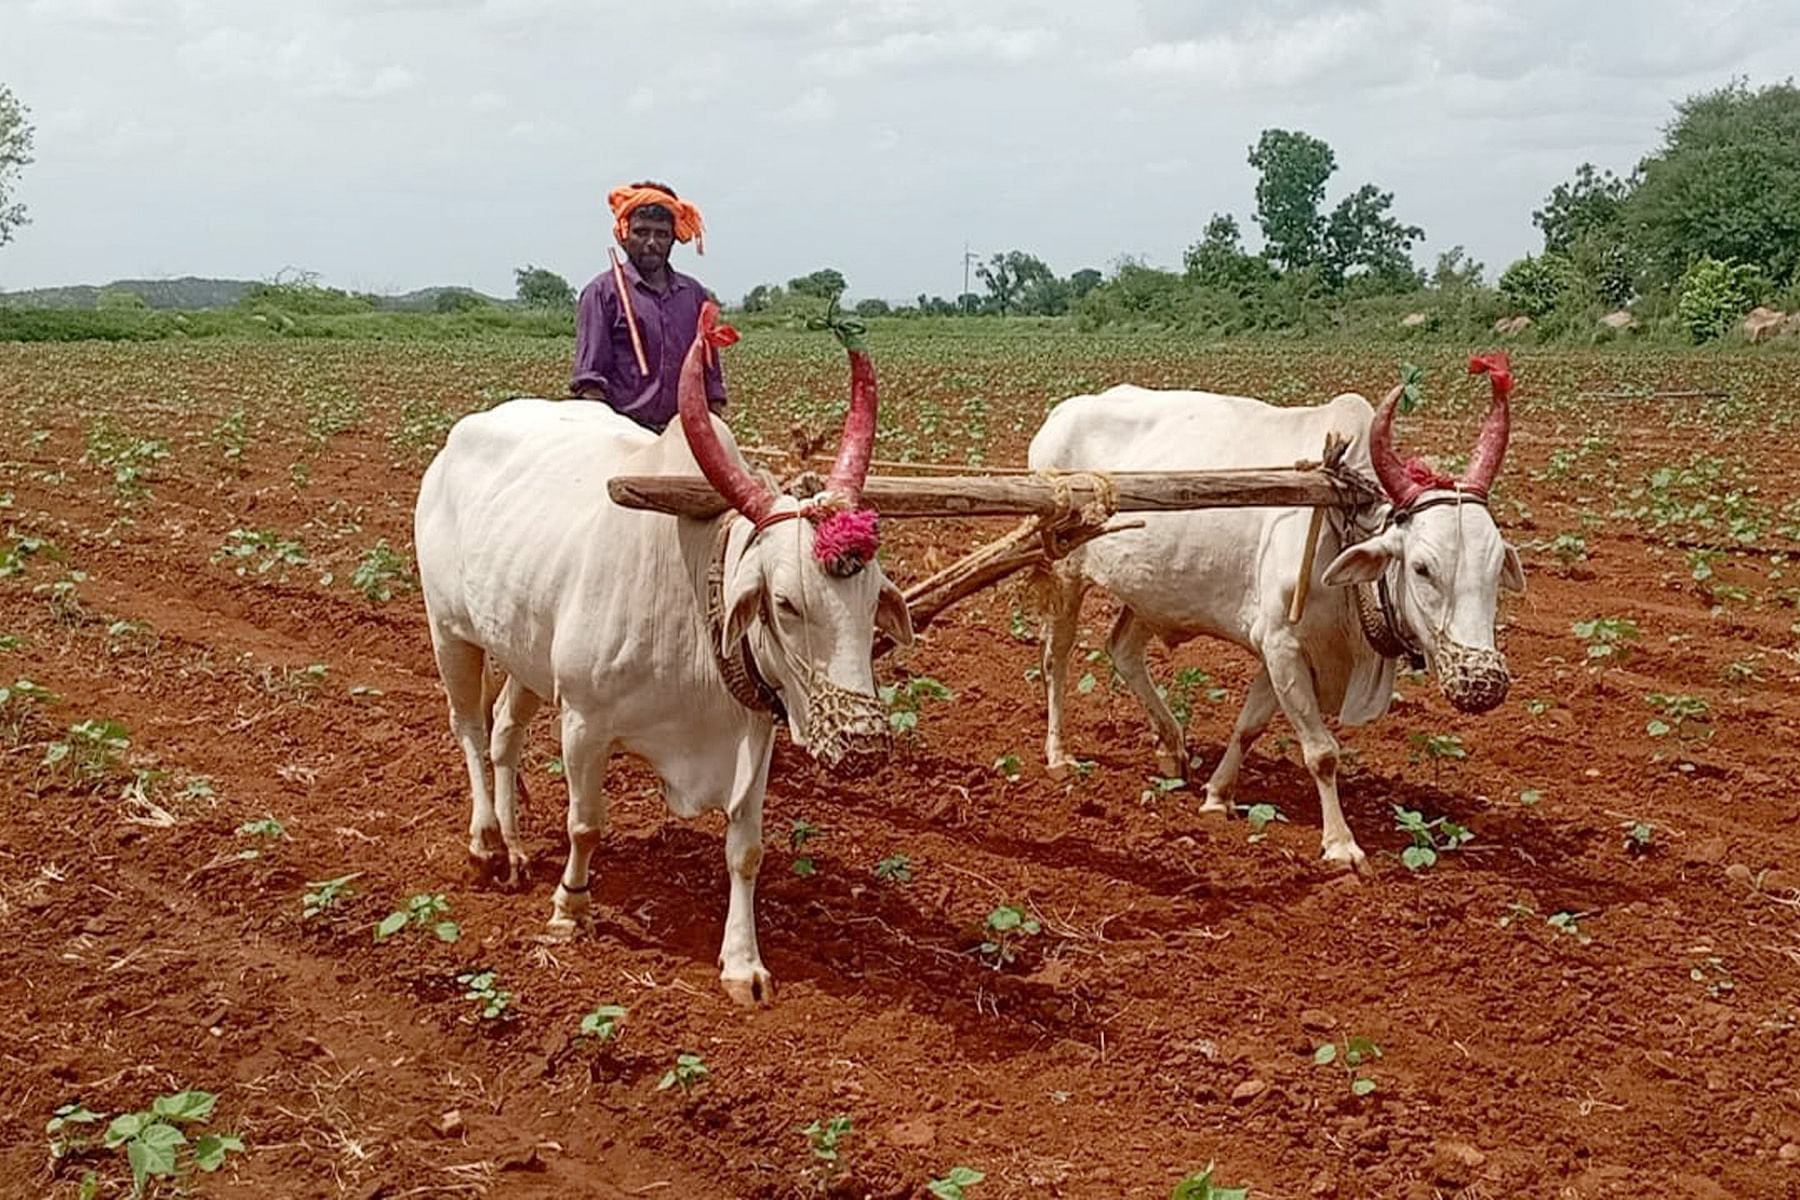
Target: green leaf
[(447, 931), (210, 1150), (124, 1127), (90, 1187), (185, 1106), (1656, 727), (1362, 1087), (1416, 857), (1325, 1054), (391, 924)]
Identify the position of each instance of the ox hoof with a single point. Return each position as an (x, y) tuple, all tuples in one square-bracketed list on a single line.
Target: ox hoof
[(758, 991), (1216, 803), (1349, 858), (569, 914), (518, 870), (1059, 769), (487, 865), (1171, 766)]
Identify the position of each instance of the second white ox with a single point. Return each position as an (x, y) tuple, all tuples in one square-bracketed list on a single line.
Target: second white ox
[(1434, 553), (674, 639)]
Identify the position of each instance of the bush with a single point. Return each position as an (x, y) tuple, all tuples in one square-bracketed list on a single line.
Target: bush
[(1713, 294), (1538, 286)]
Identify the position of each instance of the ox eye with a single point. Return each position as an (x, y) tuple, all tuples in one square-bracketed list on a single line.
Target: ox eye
[(1422, 571), (786, 607)]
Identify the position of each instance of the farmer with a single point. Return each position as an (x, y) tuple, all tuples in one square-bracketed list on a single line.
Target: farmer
[(636, 321)]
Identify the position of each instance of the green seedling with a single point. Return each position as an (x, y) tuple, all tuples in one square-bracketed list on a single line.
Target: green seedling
[(1009, 768), (491, 1000), (1435, 747), (1161, 786), (895, 868), (1744, 670), (91, 751), (689, 1069), (68, 1130), (1259, 817), (1429, 838), (825, 1138), (423, 911), (905, 699), (1202, 1187), (325, 895), (260, 551), (1677, 712), (1187, 683), (11, 641), (1019, 626), (1569, 923), (1538, 706), (1639, 836), (800, 833), (63, 598), (1006, 927), (1710, 973), (381, 573), (602, 1024), (954, 1183), (1568, 548), (153, 1139), (16, 704), (262, 827), (1354, 1054), (1531, 797), (1608, 638)]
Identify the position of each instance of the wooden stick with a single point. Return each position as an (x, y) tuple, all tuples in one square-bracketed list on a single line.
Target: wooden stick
[(1333, 455), (624, 290), (1040, 495)]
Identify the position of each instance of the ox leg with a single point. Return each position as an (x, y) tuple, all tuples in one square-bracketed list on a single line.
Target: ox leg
[(1063, 610), (1127, 643), (1292, 679), (741, 969), (512, 711), (1253, 718), (460, 666), (585, 752)]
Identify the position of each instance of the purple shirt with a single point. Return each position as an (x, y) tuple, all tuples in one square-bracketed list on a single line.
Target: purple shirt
[(666, 324)]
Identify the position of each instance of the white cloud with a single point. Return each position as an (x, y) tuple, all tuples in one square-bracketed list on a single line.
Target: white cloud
[(814, 106)]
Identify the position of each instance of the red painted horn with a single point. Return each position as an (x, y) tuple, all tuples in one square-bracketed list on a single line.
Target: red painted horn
[(744, 491), (1400, 486), (852, 464), (1490, 446)]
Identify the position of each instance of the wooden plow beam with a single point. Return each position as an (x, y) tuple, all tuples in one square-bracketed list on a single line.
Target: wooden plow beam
[(1062, 511), (1043, 495)]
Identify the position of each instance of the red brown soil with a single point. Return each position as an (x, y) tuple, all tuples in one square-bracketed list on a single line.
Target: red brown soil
[(1164, 1017)]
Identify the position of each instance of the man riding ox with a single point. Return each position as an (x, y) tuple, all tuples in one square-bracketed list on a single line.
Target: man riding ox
[(1417, 577), (681, 641)]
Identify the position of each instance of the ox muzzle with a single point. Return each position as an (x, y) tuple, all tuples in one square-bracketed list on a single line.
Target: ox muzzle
[(846, 731), (1474, 678)]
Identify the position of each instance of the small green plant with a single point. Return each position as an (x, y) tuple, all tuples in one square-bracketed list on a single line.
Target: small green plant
[(1353, 1055), (1711, 974), (262, 827), (380, 573), (153, 1139), (1187, 683), (1007, 926), (602, 1024), (1530, 797), (1202, 1187), (1608, 638), (261, 551), (1538, 706), (905, 699), (1435, 747), (1678, 711), (1639, 837), (13, 562), (825, 1138), (325, 895), (91, 751), (68, 1130), (423, 911), (895, 868), (801, 832), (1009, 768), (1019, 626), (1743, 670), (1568, 548), (17, 703), (1259, 817), (491, 1000), (63, 597), (1569, 923), (229, 435), (689, 1069), (1161, 785), (1429, 838), (131, 459), (954, 1183)]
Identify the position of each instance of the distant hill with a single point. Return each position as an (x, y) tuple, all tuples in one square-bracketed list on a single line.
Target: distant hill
[(190, 292)]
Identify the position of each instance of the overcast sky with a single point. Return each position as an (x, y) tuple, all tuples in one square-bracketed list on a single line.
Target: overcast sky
[(392, 144)]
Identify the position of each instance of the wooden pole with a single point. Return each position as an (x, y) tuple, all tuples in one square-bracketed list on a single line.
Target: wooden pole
[(624, 290), (1039, 495), (1331, 459)]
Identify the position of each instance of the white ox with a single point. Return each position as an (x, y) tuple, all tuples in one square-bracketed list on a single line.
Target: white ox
[(529, 567), (1434, 552)]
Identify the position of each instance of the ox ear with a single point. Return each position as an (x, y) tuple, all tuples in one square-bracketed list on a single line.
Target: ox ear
[(1512, 571), (743, 600), (1363, 562), (892, 616)]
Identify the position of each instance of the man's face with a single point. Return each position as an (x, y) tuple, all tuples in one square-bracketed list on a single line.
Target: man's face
[(647, 241)]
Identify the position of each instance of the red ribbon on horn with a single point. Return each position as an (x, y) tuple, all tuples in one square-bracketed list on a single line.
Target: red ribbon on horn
[(742, 490), (1496, 429)]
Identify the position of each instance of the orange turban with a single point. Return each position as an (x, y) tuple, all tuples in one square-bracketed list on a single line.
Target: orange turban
[(627, 200)]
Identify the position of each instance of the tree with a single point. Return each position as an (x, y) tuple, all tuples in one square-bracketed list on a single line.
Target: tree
[(1724, 185), (1584, 221), (542, 288), (15, 153), (1084, 281), (1010, 276), (1537, 286), (1293, 168), (1218, 259), (1363, 241), (762, 297), (1455, 269), (872, 307), (826, 284)]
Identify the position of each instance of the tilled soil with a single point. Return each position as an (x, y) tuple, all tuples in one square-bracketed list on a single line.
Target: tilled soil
[(1596, 996)]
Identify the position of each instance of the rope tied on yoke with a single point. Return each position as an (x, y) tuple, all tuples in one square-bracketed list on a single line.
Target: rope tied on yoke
[(1064, 515)]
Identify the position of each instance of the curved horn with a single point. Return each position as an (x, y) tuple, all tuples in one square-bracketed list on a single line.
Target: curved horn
[(1400, 487), (1490, 446), (858, 443), (729, 477)]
